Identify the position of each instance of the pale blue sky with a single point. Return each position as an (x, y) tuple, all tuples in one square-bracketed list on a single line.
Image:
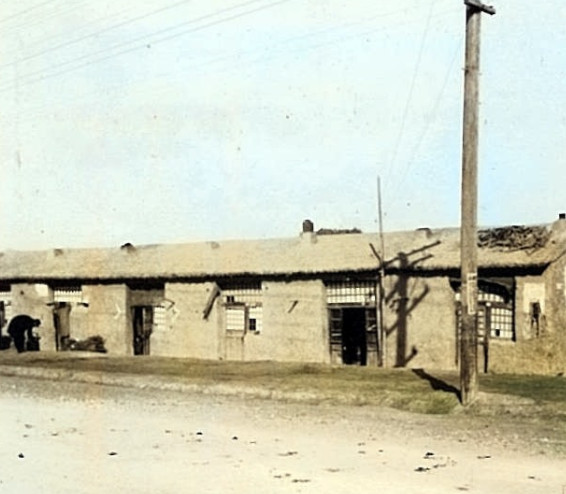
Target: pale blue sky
[(169, 121)]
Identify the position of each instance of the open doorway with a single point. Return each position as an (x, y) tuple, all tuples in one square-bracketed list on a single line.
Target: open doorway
[(354, 342), (352, 334), (62, 324), (142, 320), (352, 311), (353, 338)]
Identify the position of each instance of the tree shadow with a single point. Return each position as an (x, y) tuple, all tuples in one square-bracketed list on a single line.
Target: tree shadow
[(403, 301), (437, 384)]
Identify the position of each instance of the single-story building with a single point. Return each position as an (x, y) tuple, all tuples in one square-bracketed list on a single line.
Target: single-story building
[(319, 297)]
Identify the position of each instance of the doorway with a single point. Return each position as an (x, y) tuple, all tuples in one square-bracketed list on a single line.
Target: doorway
[(353, 335), (62, 324), (142, 320), (354, 340)]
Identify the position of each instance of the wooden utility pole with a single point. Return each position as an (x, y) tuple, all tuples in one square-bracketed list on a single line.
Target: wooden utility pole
[(468, 233)]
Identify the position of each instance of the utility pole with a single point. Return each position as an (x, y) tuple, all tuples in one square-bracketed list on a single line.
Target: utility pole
[(469, 383)]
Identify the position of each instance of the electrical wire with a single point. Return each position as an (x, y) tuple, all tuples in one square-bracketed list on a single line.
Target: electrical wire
[(29, 77), (42, 17), (239, 54), (81, 28), (429, 121), (411, 89), (94, 34), (412, 86), (24, 12)]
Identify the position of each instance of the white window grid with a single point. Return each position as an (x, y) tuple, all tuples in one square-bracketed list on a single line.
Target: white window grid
[(236, 318), (160, 318), (6, 298), (68, 294), (246, 293), (501, 323), (244, 310), (494, 302), (255, 318), (484, 296), (351, 292)]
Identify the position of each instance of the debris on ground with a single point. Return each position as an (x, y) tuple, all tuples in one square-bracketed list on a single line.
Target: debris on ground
[(91, 344), (337, 231)]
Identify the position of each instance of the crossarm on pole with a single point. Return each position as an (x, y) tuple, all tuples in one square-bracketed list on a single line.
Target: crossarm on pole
[(488, 9)]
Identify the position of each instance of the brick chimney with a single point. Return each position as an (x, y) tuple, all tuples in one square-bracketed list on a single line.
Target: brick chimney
[(308, 231), (560, 224)]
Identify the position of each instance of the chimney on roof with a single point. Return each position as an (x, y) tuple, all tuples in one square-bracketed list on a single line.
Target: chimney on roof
[(560, 224), (308, 226), (425, 231), (128, 247), (308, 231)]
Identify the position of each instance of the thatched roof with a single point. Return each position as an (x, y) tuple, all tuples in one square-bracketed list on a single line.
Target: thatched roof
[(308, 254)]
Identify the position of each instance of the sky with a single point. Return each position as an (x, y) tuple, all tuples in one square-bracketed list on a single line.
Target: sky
[(164, 121)]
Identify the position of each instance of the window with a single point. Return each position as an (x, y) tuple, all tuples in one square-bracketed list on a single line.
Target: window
[(236, 318), (498, 310), (160, 318), (247, 293), (244, 311), (495, 309), (359, 292), (6, 312), (68, 294), (501, 323), (255, 318)]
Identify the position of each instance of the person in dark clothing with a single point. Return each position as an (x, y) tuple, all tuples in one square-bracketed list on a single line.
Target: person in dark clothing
[(18, 327)]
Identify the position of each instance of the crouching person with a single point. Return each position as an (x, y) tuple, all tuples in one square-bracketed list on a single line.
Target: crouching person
[(20, 327)]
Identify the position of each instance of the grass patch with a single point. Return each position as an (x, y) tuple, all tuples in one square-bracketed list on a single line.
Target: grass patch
[(399, 388), (415, 391), (540, 389)]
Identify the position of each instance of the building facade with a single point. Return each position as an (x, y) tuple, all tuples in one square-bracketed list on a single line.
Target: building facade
[(315, 298)]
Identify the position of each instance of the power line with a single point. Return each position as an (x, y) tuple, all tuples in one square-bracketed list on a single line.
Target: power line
[(279, 45), (62, 34), (260, 58), (97, 33), (411, 87), (430, 120), (41, 17), (28, 78), (24, 12)]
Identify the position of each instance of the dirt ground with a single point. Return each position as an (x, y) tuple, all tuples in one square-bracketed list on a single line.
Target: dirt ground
[(74, 437)]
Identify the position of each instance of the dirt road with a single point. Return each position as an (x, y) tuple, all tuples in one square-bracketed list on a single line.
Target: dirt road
[(73, 437)]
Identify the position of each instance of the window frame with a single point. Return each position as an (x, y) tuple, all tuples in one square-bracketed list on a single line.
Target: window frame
[(246, 297)]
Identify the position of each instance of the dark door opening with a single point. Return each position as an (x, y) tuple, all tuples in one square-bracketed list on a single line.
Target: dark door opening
[(142, 320), (354, 338), (62, 324)]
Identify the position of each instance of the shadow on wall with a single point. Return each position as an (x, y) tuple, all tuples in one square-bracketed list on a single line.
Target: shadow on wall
[(437, 384), (403, 302)]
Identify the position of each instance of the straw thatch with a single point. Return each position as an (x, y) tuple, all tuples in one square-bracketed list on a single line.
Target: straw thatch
[(421, 250)]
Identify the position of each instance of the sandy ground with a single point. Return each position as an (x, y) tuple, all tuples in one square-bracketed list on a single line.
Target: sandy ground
[(74, 437)]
